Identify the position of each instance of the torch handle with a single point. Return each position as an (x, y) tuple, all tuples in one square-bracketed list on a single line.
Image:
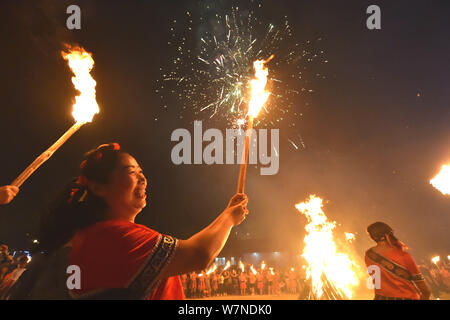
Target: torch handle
[(45, 156), (244, 162)]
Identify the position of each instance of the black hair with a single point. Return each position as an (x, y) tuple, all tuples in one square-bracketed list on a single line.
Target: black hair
[(380, 231), (76, 206)]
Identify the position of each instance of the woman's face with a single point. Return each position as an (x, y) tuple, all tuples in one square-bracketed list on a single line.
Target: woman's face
[(125, 192)]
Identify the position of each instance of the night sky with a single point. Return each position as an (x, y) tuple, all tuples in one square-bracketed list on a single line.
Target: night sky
[(374, 131)]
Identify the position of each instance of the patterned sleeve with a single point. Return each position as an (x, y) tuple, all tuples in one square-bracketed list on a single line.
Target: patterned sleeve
[(412, 267), (121, 255)]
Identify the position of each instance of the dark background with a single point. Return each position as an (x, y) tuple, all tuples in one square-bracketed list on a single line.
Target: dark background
[(371, 142)]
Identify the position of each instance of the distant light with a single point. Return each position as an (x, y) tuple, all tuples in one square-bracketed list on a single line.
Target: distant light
[(276, 253), (35, 241), (435, 259), (255, 254)]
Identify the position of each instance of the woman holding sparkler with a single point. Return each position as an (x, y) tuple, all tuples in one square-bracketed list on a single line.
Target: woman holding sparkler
[(93, 221), (399, 276)]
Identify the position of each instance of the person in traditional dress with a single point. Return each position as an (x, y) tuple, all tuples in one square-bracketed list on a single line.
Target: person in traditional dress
[(193, 284), (201, 286), (292, 282), (91, 226), (11, 278), (399, 277), (251, 281), (184, 280), (243, 283), (214, 284), (260, 282)]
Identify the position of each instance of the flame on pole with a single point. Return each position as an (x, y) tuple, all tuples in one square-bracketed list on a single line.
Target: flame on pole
[(81, 63), (259, 97), (227, 265), (253, 270), (241, 265), (436, 259), (442, 180)]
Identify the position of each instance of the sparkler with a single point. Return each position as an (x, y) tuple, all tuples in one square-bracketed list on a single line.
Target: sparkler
[(442, 180), (259, 97), (211, 64), (330, 271), (84, 109)]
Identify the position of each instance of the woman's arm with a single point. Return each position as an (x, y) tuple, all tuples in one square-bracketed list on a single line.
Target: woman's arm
[(425, 291), (200, 250)]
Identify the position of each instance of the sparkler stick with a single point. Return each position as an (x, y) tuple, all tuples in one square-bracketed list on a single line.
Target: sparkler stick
[(243, 167), (84, 109), (258, 98)]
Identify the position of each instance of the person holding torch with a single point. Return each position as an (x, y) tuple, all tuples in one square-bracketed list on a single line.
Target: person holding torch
[(92, 221)]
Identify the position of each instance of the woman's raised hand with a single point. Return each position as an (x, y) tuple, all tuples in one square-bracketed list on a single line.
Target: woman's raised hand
[(237, 208)]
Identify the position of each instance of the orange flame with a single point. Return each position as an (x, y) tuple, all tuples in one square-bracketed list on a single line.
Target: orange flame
[(442, 180), (253, 269), (436, 259), (321, 253), (259, 94), (350, 236), (263, 265), (81, 63), (241, 265), (212, 269), (227, 265)]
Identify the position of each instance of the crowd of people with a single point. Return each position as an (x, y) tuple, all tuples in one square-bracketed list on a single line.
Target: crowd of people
[(437, 275), (11, 268), (242, 280), (91, 225)]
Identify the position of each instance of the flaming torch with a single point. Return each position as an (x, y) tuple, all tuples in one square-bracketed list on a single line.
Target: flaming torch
[(330, 271), (253, 270), (84, 109), (241, 265), (228, 265), (436, 259), (259, 96), (442, 180)]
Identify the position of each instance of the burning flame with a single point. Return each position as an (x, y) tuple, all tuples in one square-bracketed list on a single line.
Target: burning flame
[(81, 64), (253, 269), (263, 265), (212, 269), (442, 180), (326, 266), (271, 271), (259, 94), (436, 259), (241, 265), (350, 236), (227, 265)]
